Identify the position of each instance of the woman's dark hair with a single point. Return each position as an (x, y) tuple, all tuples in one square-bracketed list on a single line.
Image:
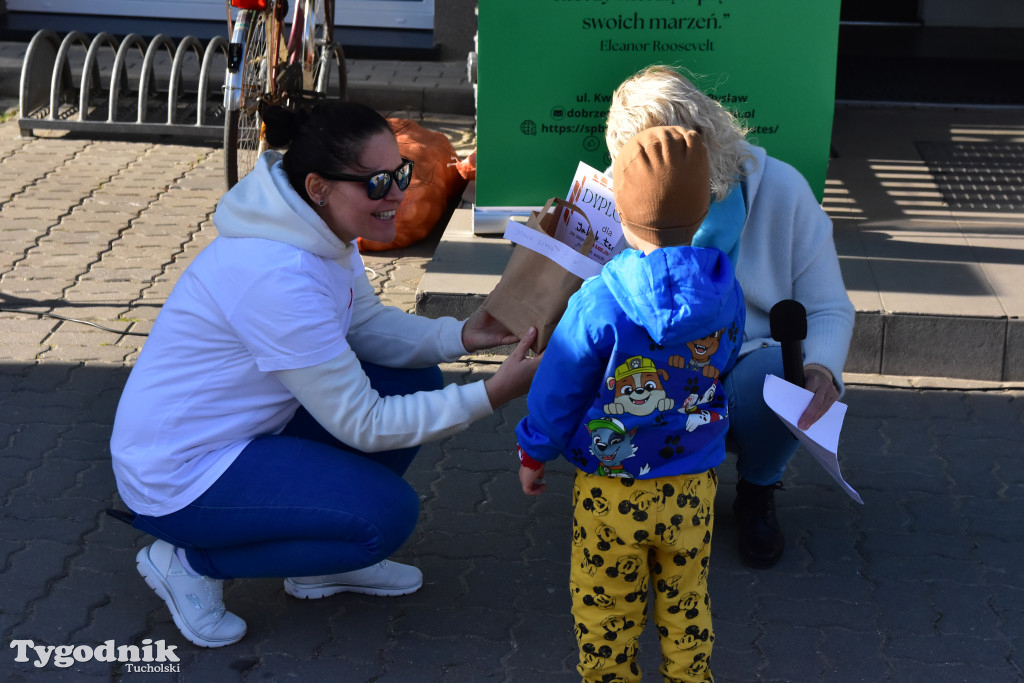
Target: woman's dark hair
[(328, 139)]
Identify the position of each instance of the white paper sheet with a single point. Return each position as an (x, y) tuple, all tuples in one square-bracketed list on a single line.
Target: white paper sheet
[(535, 240), (788, 401)]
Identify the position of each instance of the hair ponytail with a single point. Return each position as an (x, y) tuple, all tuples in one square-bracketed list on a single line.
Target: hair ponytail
[(281, 124)]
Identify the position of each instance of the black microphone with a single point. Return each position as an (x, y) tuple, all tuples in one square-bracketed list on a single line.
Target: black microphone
[(788, 321)]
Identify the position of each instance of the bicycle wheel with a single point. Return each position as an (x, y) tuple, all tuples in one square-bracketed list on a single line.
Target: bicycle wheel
[(247, 82), (316, 51)]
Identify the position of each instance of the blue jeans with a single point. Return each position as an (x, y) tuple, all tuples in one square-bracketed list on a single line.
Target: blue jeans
[(763, 444), (302, 503)]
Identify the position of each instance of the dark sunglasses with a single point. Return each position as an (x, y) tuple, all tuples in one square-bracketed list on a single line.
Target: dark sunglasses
[(378, 183)]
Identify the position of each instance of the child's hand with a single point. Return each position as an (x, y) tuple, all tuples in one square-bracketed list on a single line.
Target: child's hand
[(532, 480)]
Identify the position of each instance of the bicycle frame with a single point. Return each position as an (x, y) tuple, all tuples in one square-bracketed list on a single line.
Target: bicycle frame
[(263, 70), (236, 49), (236, 57)]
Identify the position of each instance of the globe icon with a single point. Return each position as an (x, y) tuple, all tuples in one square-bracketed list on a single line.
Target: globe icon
[(528, 127)]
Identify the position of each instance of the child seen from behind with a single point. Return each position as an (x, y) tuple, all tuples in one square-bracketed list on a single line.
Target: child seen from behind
[(629, 391)]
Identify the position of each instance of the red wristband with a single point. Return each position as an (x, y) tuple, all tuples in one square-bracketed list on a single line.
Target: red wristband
[(526, 460)]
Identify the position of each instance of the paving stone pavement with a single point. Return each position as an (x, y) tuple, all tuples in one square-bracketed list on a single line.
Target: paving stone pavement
[(922, 583)]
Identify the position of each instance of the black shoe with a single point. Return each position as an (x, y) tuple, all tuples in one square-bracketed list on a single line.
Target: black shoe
[(760, 536)]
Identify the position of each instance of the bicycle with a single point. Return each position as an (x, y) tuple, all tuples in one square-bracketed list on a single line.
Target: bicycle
[(265, 68)]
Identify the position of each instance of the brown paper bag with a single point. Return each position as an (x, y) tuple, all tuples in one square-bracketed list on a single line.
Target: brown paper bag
[(534, 290)]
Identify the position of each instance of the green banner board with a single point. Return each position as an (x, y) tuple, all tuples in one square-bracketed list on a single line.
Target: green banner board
[(547, 70)]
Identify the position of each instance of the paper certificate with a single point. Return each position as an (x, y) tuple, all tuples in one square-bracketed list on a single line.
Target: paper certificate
[(592, 191)]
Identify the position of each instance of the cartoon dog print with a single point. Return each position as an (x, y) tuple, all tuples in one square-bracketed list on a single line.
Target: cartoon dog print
[(697, 416), (612, 445), (701, 351), (637, 388)]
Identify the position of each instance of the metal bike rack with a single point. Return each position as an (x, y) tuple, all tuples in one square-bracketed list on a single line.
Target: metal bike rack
[(111, 97)]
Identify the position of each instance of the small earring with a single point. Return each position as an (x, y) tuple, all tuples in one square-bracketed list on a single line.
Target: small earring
[(321, 202)]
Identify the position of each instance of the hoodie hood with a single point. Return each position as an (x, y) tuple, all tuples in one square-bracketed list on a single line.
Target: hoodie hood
[(675, 293), (264, 205)]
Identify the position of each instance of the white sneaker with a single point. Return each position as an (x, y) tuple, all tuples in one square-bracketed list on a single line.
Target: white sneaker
[(383, 578), (196, 602)]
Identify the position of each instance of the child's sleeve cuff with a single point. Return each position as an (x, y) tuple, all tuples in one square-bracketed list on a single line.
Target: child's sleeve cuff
[(525, 459)]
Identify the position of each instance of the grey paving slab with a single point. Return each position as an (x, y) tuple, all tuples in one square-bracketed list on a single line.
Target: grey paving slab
[(927, 273), (1001, 264)]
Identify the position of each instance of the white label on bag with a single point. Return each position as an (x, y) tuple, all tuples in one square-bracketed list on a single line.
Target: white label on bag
[(534, 240)]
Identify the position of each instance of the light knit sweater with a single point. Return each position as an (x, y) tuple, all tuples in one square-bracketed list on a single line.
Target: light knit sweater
[(787, 252)]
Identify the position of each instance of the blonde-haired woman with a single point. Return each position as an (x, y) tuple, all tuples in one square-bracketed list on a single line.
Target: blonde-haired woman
[(766, 218)]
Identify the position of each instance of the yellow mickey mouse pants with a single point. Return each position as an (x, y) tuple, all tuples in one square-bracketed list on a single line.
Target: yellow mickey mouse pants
[(627, 534)]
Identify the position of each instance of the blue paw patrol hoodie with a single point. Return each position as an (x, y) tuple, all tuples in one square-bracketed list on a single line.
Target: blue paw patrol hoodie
[(630, 383)]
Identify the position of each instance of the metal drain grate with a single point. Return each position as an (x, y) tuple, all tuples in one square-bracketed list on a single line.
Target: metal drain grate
[(977, 176)]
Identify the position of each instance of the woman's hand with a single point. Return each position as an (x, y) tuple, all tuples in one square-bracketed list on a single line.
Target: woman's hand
[(483, 331), (514, 376), (532, 480), (819, 381)]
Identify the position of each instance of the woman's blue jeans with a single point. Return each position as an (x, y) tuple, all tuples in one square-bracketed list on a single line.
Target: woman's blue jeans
[(763, 444), (301, 503)]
